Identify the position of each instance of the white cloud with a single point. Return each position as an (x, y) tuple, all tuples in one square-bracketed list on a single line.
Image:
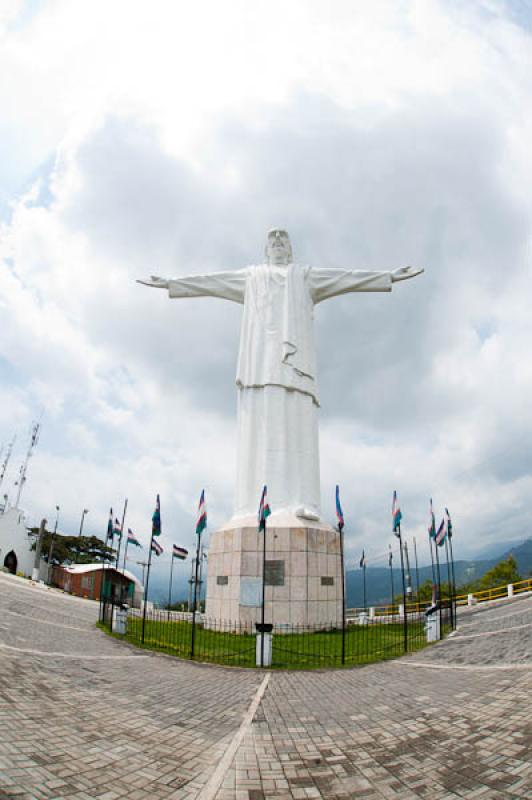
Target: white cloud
[(378, 135)]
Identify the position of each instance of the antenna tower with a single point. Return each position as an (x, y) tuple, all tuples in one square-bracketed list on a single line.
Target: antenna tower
[(35, 429), (5, 462)]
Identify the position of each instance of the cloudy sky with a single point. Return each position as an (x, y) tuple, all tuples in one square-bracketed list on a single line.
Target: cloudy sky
[(167, 137)]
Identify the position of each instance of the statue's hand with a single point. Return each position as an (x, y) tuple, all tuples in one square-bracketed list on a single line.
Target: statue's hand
[(403, 273), (155, 282)]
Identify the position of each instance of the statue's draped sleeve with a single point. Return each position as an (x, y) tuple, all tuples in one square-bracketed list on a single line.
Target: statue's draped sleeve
[(229, 285), (325, 283)]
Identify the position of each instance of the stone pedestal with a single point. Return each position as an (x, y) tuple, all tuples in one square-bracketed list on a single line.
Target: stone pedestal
[(303, 572)]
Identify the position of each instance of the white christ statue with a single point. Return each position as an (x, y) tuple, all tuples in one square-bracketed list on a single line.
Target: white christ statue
[(276, 374)]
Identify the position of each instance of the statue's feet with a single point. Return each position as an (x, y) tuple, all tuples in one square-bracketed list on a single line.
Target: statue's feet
[(306, 513)]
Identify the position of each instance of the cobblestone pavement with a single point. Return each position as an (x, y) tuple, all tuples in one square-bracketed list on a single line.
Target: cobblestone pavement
[(84, 716)]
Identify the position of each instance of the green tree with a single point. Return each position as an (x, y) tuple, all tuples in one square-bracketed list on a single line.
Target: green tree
[(74, 549), (502, 573)]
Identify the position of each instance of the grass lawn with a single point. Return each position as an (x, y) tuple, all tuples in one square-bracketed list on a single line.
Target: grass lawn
[(364, 644)]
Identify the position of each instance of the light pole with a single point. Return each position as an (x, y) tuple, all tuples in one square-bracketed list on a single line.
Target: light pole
[(85, 511), (142, 564)]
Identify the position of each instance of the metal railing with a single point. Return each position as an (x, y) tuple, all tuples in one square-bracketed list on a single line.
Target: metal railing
[(495, 592), (364, 640)]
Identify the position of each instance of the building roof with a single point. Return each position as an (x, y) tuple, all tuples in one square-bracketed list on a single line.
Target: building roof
[(78, 569)]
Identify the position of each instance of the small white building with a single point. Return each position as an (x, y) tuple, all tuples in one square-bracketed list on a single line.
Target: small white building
[(16, 541)]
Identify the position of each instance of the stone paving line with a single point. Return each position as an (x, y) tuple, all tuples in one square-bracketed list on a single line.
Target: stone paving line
[(78, 722)]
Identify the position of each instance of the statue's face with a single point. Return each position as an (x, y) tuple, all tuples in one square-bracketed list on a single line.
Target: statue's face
[(278, 247)]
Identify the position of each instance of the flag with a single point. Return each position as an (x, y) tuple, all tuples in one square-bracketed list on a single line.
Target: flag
[(156, 547), (339, 512), (449, 524), (179, 552), (117, 530), (201, 524), (264, 510), (432, 522), (132, 539), (441, 533), (110, 525), (156, 519), (390, 558), (396, 515), (362, 561)]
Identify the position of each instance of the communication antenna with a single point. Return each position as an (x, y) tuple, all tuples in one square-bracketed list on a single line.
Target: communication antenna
[(5, 462), (35, 430)]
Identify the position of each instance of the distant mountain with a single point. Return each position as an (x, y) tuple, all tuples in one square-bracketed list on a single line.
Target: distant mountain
[(159, 580), (379, 584), (523, 555)]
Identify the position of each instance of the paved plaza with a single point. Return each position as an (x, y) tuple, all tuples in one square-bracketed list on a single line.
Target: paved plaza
[(83, 715)]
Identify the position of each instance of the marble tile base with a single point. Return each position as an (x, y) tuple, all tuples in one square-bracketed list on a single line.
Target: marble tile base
[(303, 573)]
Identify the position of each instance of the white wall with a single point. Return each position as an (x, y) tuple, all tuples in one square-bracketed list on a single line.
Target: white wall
[(14, 536)]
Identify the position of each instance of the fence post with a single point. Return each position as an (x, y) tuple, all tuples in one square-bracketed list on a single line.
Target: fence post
[(470, 600), (510, 590)]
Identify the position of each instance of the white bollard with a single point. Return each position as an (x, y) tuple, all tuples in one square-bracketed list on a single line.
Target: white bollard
[(401, 611), (433, 627), (372, 612), (510, 590), (267, 655), (471, 600), (119, 621)]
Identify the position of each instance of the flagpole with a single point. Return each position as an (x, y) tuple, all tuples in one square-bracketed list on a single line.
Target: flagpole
[(170, 584), (454, 581), (364, 577), (202, 556), (405, 622), (408, 575), (449, 581), (390, 563), (263, 591), (125, 553), (121, 532), (417, 573), (342, 567), (340, 528), (439, 583), (432, 560), (195, 597), (146, 590), (102, 585)]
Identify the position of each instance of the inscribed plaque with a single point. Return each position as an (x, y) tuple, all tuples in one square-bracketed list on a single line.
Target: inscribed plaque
[(274, 573)]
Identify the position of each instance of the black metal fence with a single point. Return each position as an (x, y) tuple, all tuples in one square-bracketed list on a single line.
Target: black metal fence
[(364, 639)]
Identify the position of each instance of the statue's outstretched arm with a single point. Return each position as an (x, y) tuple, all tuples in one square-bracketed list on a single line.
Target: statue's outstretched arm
[(326, 283), (155, 282), (404, 273), (228, 285)]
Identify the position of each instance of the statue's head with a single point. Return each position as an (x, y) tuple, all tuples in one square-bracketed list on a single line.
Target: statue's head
[(278, 247)]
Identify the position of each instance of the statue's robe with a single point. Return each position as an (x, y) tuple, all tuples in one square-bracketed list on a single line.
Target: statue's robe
[(276, 374)]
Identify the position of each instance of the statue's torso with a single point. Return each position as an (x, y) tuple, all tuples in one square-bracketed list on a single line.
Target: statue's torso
[(277, 337)]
